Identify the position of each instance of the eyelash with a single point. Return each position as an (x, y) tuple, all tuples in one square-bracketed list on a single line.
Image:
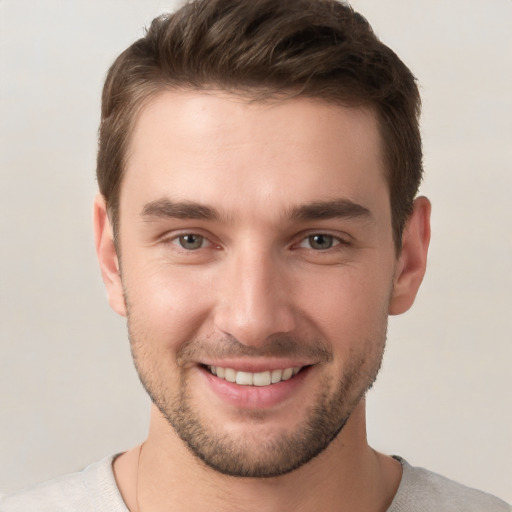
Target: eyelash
[(332, 241), (178, 239)]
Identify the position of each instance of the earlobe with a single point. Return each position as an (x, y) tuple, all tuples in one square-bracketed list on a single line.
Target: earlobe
[(412, 261), (107, 256)]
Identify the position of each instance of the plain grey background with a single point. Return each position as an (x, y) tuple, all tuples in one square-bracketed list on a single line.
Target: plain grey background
[(69, 395)]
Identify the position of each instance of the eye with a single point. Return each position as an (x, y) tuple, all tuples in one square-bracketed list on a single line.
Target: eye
[(320, 242), (190, 241)]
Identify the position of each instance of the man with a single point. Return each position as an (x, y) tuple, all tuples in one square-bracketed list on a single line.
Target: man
[(257, 222)]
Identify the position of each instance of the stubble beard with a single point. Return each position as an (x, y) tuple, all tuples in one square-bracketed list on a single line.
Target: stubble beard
[(273, 456)]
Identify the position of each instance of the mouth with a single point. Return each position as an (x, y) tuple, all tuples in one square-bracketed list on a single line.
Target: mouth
[(265, 387), (260, 379)]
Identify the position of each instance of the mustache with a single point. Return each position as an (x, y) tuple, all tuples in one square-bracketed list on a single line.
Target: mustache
[(227, 346)]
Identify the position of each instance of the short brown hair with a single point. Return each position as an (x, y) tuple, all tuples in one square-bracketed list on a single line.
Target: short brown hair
[(265, 48)]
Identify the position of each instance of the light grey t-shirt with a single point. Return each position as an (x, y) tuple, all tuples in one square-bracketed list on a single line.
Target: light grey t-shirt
[(94, 490)]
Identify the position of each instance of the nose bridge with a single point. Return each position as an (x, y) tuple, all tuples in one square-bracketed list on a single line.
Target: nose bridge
[(255, 302)]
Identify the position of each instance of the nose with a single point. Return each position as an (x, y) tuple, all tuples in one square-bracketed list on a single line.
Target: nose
[(255, 298)]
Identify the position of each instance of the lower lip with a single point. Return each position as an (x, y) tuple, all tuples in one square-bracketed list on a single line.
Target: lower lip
[(255, 397)]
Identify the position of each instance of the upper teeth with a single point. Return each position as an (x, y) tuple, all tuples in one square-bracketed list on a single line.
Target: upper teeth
[(254, 379)]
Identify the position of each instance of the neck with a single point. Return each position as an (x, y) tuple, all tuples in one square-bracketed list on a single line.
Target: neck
[(348, 474)]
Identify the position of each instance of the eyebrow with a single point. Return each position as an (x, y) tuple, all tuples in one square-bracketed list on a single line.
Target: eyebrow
[(317, 210), (165, 208), (330, 209)]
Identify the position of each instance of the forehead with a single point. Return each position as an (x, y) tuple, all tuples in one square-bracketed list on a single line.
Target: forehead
[(219, 147)]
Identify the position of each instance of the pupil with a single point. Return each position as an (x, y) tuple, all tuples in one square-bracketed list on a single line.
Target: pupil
[(320, 241)]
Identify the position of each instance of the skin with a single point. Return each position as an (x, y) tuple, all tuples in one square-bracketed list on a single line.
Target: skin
[(257, 293)]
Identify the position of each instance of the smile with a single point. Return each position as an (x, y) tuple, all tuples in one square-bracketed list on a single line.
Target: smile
[(265, 378)]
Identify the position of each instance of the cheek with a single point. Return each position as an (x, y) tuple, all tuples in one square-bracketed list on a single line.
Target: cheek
[(166, 306), (349, 307)]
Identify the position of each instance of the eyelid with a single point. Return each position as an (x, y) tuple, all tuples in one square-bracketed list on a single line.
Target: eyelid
[(177, 241), (335, 241), (172, 237), (339, 238)]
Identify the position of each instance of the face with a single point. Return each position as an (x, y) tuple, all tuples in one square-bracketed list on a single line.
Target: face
[(258, 267)]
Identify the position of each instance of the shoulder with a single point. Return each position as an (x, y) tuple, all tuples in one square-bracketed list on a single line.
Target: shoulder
[(89, 490), (424, 491)]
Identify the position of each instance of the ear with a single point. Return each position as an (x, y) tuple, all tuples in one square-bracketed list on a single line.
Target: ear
[(107, 256), (412, 261)]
